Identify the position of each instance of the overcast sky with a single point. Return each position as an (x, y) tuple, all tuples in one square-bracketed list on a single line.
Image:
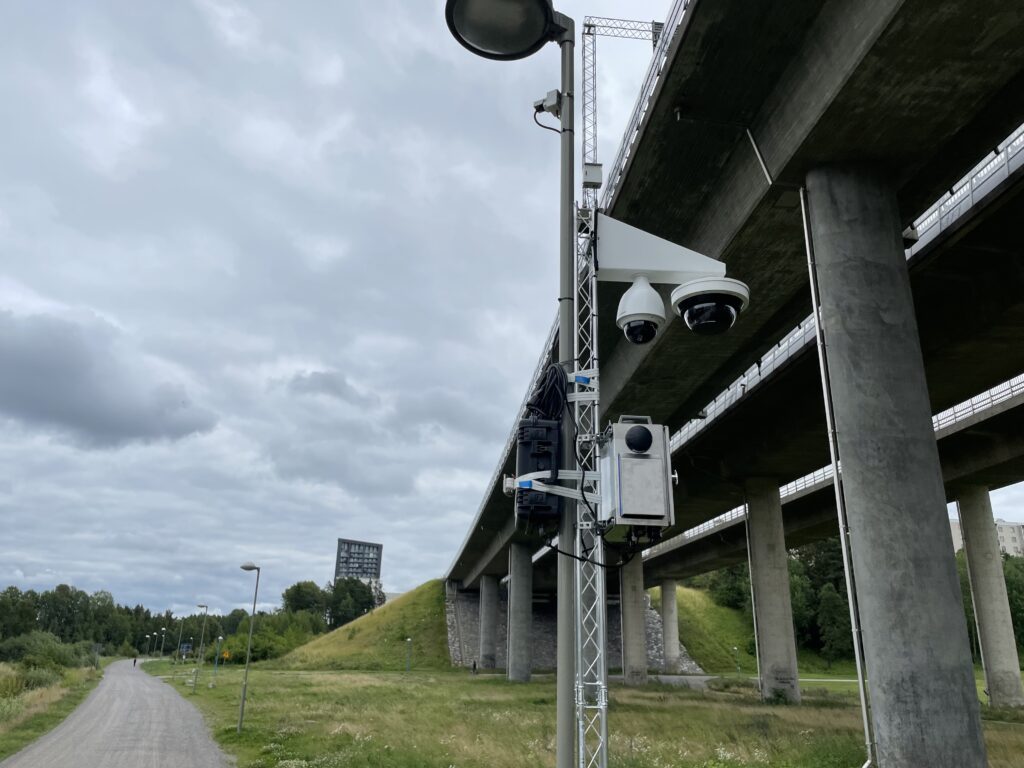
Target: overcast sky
[(272, 273)]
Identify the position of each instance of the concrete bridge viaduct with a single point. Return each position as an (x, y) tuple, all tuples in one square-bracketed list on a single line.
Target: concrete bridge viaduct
[(875, 108)]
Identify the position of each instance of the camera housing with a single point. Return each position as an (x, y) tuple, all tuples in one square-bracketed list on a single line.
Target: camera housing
[(641, 312), (710, 305)]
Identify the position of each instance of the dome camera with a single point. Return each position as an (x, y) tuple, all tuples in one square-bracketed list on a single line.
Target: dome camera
[(710, 305), (641, 312)]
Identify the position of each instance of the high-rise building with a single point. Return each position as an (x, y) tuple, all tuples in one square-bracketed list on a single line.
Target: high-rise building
[(358, 560), (1010, 535)]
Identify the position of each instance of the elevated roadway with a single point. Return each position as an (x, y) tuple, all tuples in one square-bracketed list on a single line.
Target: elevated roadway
[(920, 88), (981, 443)]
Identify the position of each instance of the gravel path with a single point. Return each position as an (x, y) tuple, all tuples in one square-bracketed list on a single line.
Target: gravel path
[(131, 720)]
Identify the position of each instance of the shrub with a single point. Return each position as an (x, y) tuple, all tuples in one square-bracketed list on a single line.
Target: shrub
[(36, 677)]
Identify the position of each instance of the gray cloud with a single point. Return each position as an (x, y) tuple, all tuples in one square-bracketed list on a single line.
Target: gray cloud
[(296, 261), (81, 379)]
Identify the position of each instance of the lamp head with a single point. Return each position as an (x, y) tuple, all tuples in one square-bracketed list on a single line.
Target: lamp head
[(249, 566), (502, 29)]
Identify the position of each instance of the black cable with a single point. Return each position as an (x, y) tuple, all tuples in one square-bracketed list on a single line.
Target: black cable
[(545, 127), (575, 557)]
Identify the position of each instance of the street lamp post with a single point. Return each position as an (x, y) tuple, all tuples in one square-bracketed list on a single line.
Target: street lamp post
[(408, 653), (202, 637), (177, 648), (146, 653), (248, 649), (216, 658), (507, 30), (163, 638)]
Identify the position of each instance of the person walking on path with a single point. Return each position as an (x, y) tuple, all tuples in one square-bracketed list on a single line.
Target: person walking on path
[(134, 661)]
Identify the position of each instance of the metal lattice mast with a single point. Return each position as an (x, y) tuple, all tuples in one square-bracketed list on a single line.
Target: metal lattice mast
[(591, 613)]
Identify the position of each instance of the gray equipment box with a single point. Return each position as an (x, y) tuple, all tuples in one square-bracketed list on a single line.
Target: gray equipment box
[(636, 475)]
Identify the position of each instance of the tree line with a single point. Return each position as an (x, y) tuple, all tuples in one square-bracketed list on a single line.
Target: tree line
[(68, 616), (821, 612)]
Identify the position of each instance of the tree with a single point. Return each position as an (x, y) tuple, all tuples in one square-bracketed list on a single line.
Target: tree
[(304, 596), (834, 625), (730, 587), (804, 602), (349, 599)]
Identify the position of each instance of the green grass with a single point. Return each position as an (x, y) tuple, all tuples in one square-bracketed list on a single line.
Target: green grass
[(319, 719), (377, 641), (710, 632), (45, 708)]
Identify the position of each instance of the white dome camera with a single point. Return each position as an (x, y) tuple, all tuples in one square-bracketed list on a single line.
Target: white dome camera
[(641, 311), (710, 305)]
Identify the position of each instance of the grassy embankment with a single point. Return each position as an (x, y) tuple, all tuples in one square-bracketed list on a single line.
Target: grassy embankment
[(28, 714), (315, 709), (377, 641)]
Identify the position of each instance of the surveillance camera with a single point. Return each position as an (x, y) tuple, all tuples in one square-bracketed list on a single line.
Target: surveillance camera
[(641, 311), (710, 305)]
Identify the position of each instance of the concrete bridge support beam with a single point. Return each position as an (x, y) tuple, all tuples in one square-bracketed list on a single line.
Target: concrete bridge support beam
[(634, 624), (520, 612), (769, 580), (988, 591), (488, 621), (924, 705), (670, 626)]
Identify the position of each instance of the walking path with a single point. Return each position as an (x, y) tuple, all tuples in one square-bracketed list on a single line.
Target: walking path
[(131, 720)]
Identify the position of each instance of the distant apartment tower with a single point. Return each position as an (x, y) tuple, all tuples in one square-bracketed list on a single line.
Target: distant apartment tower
[(1010, 535), (358, 560)]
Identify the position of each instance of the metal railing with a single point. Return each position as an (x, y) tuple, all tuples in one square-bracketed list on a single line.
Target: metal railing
[(979, 403), (983, 178), (643, 101), (822, 477)]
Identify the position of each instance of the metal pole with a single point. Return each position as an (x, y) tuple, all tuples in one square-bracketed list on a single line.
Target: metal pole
[(248, 651), (837, 479), (565, 700), (408, 653), (216, 658), (202, 639), (163, 639), (181, 628)]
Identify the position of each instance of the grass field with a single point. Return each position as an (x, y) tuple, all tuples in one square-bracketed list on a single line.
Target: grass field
[(43, 709), (309, 719), (377, 641)]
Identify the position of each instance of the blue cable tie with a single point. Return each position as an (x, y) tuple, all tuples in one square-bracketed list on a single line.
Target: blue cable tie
[(526, 483), (582, 379)]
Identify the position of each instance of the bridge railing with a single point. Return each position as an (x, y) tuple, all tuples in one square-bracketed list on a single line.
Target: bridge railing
[(942, 420), (980, 403), (982, 179), (643, 100)]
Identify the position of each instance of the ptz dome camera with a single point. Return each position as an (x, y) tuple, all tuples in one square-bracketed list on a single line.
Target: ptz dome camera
[(641, 311), (710, 305)]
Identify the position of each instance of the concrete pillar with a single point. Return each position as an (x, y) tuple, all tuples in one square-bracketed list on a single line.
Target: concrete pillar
[(634, 625), (670, 626), (991, 605), (520, 613), (769, 580), (488, 620), (924, 704)]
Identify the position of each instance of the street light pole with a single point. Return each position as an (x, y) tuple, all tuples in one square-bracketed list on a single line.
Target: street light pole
[(202, 639), (408, 653), (508, 30), (248, 649), (177, 649), (163, 638), (216, 658)]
